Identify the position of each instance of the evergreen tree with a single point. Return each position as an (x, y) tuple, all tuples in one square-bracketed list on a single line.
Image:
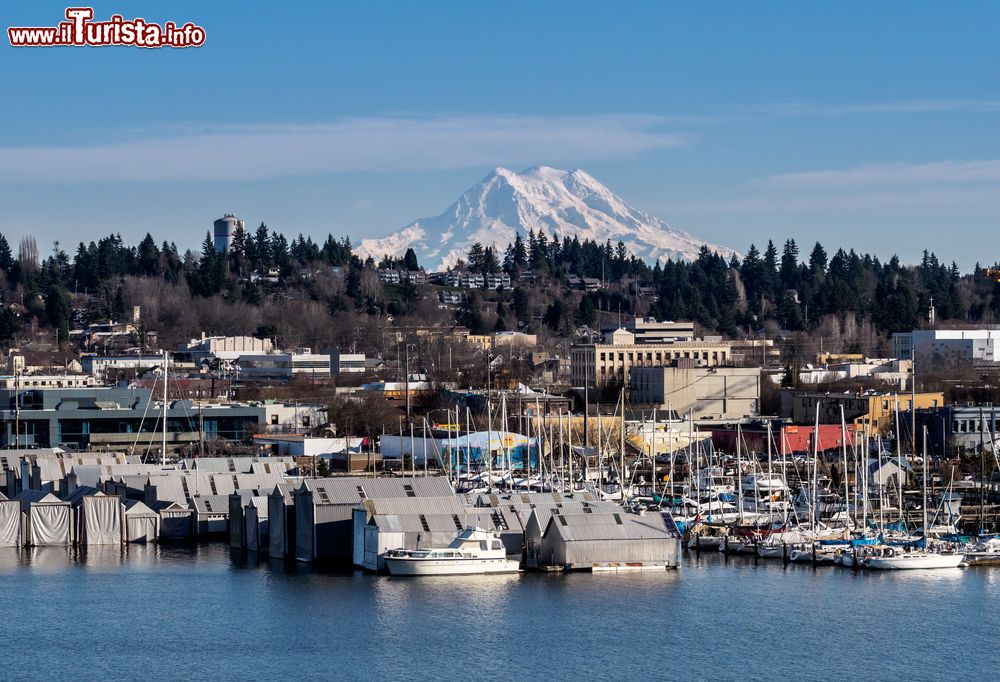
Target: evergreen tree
[(410, 260), (789, 274), (148, 257), (587, 312), (475, 257), (6, 257), (817, 259), (261, 249)]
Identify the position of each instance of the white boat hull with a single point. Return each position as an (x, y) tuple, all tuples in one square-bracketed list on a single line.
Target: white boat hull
[(898, 563), (770, 552), (410, 566)]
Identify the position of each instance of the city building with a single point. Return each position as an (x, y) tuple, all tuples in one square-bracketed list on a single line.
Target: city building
[(870, 412), (81, 415), (513, 342), (110, 368), (42, 362), (610, 361), (649, 331), (785, 438), (969, 345), (723, 393), (955, 428), (888, 371), (221, 347), (283, 365), (347, 363), (224, 229)]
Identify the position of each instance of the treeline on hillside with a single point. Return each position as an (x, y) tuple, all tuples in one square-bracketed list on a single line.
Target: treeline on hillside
[(316, 294)]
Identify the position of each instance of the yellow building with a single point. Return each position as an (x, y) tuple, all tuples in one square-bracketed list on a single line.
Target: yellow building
[(869, 413), (480, 341)]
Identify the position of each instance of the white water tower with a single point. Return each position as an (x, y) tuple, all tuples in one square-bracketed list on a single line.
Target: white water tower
[(225, 228)]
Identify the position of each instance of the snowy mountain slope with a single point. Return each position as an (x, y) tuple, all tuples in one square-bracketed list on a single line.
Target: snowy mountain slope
[(564, 203)]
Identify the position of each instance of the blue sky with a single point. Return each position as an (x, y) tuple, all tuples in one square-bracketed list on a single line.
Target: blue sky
[(865, 125)]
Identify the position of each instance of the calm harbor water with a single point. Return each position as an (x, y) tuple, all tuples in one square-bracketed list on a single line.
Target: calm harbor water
[(208, 613)]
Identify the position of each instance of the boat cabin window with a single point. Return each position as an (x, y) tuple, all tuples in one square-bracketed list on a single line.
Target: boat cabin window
[(483, 545), (497, 545)]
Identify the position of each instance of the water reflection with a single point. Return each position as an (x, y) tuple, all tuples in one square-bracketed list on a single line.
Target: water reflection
[(246, 616)]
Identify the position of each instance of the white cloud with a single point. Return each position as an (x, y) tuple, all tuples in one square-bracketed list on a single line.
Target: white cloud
[(894, 174), (349, 145), (915, 106)]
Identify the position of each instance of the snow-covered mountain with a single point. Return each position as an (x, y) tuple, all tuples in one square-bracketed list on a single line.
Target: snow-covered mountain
[(557, 202)]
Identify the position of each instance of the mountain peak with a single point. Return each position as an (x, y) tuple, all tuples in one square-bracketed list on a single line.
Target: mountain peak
[(542, 199)]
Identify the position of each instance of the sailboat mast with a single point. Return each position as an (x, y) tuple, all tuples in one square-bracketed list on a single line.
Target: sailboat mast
[(924, 504), (899, 457), (166, 369), (652, 452), (770, 479), (739, 471), (812, 502), (843, 449), (569, 447), (621, 454)]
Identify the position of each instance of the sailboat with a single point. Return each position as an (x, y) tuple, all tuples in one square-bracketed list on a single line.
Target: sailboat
[(902, 558)]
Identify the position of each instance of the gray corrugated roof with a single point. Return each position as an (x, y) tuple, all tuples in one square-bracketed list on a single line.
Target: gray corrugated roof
[(353, 490), (578, 527), (400, 506)]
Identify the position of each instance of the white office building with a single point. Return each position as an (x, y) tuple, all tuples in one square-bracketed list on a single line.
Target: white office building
[(971, 345)]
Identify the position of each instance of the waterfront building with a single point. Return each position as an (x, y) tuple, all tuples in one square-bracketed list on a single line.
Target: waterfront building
[(142, 524), (11, 526), (48, 520), (596, 541), (324, 510), (87, 417), (281, 520)]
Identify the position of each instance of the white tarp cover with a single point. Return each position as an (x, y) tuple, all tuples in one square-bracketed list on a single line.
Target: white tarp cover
[(142, 524), (50, 525), (102, 520), (142, 528), (10, 524)]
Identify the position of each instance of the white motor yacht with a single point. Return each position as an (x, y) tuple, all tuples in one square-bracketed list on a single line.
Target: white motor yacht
[(474, 552)]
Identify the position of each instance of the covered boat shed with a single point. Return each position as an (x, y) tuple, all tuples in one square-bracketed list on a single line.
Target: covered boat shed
[(142, 524), (281, 521), (49, 520), (11, 523), (616, 541), (324, 510)]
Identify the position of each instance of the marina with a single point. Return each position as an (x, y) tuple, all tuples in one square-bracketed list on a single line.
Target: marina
[(221, 611)]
